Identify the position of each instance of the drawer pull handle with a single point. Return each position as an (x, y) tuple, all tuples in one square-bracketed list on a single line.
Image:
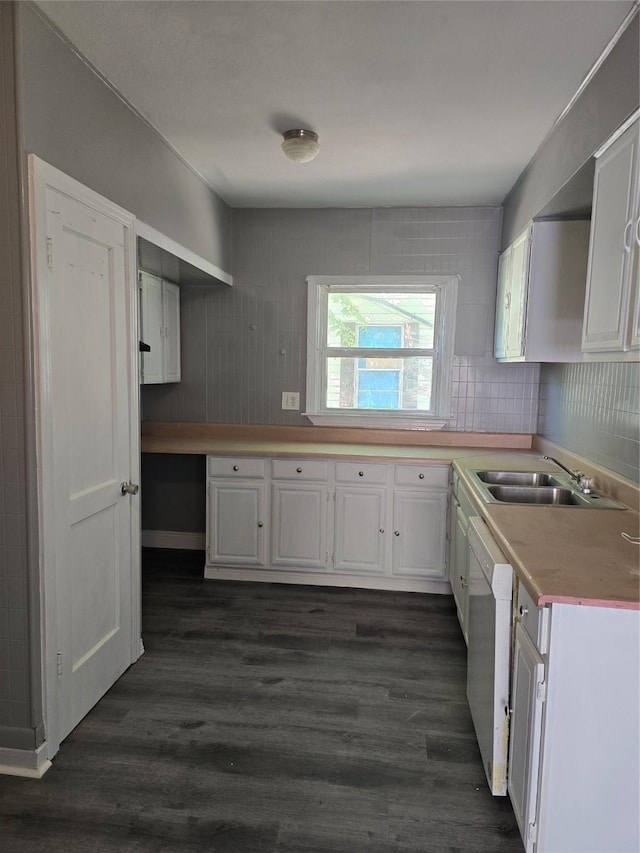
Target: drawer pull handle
[(421, 476), (523, 610), (299, 470), (235, 468), (360, 473)]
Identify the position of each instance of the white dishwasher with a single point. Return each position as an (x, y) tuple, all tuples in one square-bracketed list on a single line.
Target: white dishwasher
[(489, 650)]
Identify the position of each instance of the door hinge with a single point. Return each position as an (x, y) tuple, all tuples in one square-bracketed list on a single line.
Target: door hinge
[(532, 832), (49, 253), (541, 691), (59, 664)]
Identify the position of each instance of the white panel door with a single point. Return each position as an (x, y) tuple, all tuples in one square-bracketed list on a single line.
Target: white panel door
[(86, 340)]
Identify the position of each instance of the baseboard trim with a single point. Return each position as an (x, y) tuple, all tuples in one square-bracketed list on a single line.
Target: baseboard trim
[(394, 584), (175, 539), (27, 763)]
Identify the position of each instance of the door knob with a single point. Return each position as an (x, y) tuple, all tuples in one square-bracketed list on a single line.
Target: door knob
[(129, 488)]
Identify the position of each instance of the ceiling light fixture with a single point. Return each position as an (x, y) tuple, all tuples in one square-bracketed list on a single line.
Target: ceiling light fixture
[(301, 146)]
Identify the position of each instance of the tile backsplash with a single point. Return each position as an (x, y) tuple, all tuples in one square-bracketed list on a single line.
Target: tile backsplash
[(243, 346), (594, 410)]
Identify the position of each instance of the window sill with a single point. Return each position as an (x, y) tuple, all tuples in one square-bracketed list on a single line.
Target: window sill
[(376, 421)]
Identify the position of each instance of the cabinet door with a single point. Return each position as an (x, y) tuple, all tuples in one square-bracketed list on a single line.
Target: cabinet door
[(517, 298), (419, 533), (609, 274), (171, 331), (459, 575), (299, 525), (526, 734), (151, 327), (236, 523), (360, 537), (502, 303)]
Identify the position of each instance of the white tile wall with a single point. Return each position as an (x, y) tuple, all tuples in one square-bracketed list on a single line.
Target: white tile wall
[(594, 410)]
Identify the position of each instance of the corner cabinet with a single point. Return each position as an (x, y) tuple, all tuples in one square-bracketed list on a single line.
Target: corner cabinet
[(326, 521), (540, 297), (160, 329), (574, 746), (612, 306)]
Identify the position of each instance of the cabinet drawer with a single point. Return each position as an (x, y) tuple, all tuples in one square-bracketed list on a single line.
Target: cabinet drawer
[(534, 619), (299, 469), (235, 466), (358, 472), (422, 476)]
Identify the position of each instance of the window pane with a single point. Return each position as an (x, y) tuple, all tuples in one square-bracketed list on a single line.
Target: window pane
[(381, 319), (403, 384)]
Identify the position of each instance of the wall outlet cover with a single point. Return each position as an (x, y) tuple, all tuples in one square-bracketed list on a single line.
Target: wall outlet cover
[(291, 400)]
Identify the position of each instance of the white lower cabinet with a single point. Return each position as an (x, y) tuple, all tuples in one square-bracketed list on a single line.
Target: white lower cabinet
[(236, 526), (527, 699), (299, 525), (419, 524), (574, 754), (360, 532), (330, 520)]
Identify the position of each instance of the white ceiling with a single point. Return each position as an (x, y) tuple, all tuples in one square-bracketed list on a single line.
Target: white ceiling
[(416, 103)]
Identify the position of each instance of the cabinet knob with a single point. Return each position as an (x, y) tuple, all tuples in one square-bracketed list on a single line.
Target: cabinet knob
[(396, 533), (299, 470), (260, 524), (508, 711), (235, 468), (421, 476), (360, 473), (522, 610), (382, 530)]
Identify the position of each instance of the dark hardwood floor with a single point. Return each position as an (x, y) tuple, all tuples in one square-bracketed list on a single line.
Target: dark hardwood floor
[(266, 717)]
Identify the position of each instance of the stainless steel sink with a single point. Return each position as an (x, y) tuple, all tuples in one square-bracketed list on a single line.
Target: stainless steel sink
[(517, 478), (548, 495), (537, 488)]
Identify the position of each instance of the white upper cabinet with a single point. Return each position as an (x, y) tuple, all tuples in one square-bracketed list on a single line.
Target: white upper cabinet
[(160, 329), (612, 304), (541, 285)]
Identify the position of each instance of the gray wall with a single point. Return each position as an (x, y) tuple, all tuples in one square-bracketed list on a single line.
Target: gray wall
[(16, 711), (611, 96), (594, 410), (234, 373), (71, 119), (242, 347)]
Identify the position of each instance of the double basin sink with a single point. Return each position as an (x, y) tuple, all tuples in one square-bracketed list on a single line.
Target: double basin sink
[(537, 488)]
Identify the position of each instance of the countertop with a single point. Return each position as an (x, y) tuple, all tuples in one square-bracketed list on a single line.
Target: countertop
[(561, 554)]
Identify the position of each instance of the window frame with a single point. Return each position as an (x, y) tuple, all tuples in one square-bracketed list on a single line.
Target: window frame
[(318, 289)]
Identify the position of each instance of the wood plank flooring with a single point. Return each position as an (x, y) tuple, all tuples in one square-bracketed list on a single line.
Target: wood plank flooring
[(267, 718)]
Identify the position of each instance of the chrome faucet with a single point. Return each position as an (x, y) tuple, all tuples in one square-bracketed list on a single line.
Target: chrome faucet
[(575, 475)]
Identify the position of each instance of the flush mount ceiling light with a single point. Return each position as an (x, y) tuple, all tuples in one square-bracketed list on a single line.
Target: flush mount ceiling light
[(301, 146)]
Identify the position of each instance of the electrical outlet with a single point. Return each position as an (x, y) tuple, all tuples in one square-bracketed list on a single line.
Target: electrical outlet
[(291, 400)]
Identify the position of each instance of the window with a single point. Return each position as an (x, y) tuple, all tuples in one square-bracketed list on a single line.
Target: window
[(379, 350)]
